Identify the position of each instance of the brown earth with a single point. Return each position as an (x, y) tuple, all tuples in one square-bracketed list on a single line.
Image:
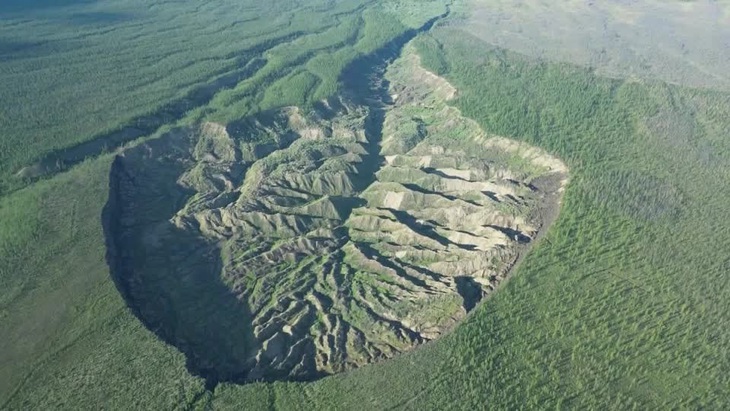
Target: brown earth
[(293, 245)]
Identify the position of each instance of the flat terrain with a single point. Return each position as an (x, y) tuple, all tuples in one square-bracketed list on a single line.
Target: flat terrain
[(622, 303), (680, 42)]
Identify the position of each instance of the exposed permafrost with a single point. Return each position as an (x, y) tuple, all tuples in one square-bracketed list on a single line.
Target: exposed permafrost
[(295, 245)]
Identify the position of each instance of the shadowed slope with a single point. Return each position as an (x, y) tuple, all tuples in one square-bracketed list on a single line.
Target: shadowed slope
[(319, 242)]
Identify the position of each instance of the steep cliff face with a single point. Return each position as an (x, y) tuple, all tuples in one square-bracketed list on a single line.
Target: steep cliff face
[(295, 244)]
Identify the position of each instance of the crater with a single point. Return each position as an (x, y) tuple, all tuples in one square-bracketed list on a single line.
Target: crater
[(293, 245)]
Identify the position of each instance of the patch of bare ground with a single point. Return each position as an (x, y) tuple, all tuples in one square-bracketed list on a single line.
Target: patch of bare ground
[(293, 245)]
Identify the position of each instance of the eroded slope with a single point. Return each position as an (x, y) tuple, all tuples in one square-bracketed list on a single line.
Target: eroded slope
[(294, 245)]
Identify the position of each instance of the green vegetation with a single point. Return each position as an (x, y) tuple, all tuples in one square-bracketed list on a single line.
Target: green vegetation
[(94, 69), (72, 71), (316, 240), (624, 304), (75, 72), (621, 305), (60, 311)]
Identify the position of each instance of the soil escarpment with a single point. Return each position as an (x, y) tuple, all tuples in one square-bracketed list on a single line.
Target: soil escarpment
[(293, 245)]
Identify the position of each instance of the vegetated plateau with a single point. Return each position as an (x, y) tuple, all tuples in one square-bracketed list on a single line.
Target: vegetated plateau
[(185, 143)]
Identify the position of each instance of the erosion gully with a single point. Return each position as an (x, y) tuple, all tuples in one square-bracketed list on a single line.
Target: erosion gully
[(364, 84)]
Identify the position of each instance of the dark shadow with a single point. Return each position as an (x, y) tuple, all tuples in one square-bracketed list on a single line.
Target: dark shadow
[(470, 291), (492, 195), (424, 229), (431, 170), (364, 83), (511, 233), (419, 189), (329, 108), (168, 276), (345, 205), (372, 254)]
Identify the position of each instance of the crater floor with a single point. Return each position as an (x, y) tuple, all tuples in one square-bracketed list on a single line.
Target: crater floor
[(294, 244)]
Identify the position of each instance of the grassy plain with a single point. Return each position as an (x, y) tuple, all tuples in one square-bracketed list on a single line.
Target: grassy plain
[(624, 304)]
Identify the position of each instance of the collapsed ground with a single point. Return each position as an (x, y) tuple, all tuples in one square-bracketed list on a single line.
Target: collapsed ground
[(296, 244)]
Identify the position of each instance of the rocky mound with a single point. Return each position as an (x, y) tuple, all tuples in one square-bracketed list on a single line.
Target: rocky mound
[(293, 245)]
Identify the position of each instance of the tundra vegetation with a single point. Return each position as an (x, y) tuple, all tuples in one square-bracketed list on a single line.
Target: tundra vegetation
[(329, 138)]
